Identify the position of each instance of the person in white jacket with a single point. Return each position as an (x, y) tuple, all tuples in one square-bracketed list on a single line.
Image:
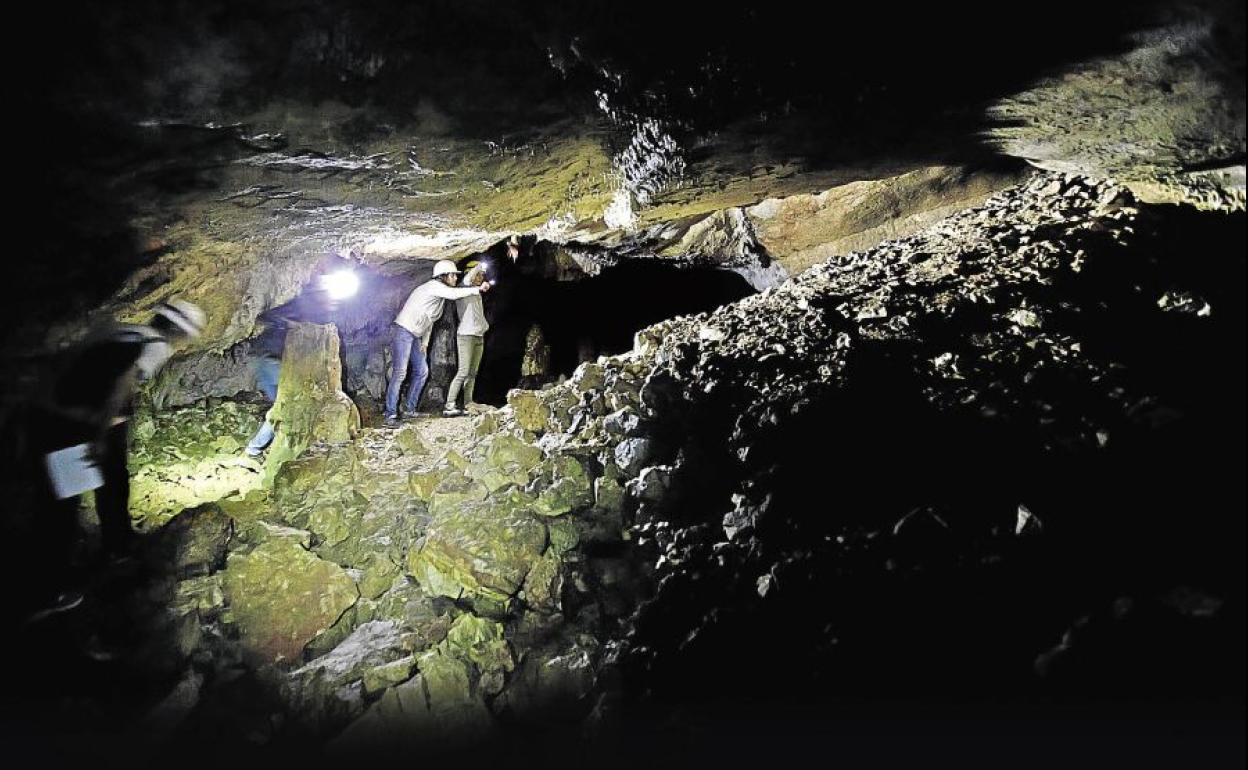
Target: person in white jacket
[(470, 342), (412, 328)]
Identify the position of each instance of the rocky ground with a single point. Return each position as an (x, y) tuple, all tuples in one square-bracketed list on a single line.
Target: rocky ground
[(996, 458)]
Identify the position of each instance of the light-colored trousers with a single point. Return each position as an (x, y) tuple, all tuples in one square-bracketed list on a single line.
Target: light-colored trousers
[(469, 347)]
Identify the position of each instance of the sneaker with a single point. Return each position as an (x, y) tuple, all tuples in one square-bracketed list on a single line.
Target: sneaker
[(452, 411), (64, 602), (390, 420)]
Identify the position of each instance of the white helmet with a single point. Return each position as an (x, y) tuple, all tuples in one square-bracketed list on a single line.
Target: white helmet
[(185, 315), (444, 267)]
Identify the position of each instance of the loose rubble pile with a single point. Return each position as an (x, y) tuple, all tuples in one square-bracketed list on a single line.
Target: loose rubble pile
[(925, 430)]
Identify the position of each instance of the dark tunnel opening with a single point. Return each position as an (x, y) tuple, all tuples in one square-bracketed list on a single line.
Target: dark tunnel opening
[(582, 319)]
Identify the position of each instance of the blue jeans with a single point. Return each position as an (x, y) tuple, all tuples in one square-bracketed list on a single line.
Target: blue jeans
[(405, 353), (267, 371)]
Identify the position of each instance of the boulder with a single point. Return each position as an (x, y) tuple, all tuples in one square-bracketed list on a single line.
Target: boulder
[(608, 495), (622, 422), (508, 461), (652, 485), (408, 441), (480, 551), (454, 491), (281, 596), (589, 376), (633, 454), (481, 642), (195, 541), (564, 487), (424, 622), (544, 584), (530, 411), (506, 450), (389, 674), (261, 531), (315, 689), (203, 595)]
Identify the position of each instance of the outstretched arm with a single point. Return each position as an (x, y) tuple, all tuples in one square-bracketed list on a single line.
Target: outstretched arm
[(449, 292)]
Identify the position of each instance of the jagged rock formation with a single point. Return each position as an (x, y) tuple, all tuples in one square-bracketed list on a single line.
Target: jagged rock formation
[(310, 403)]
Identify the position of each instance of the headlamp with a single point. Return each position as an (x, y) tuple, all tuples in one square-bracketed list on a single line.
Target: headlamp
[(340, 284)]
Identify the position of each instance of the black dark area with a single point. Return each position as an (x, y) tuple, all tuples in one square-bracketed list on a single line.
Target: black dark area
[(585, 318), (904, 586)]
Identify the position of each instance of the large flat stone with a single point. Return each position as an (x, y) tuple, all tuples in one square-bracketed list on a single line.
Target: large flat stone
[(281, 596)]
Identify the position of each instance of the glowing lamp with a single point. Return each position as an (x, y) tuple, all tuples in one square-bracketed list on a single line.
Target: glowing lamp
[(340, 284)]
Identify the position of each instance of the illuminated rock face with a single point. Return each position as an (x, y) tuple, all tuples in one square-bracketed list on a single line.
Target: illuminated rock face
[(310, 403), (480, 551), (281, 597)]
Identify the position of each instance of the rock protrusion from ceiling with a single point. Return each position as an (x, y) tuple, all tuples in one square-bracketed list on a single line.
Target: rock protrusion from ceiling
[(777, 237), (802, 230), (1165, 118)]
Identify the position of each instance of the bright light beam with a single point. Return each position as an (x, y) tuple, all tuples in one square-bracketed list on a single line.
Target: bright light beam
[(341, 284)]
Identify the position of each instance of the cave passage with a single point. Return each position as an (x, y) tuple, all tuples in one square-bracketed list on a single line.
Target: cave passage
[(575, 320), (581, 320)]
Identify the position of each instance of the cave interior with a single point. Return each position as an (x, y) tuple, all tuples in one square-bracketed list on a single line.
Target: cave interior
[(861, 383)]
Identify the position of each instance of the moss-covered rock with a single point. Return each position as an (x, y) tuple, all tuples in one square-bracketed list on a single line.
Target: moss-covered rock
[(261, 531), (480, 641), (505, 450), (281, 596), (310, 403), (608, 495), (389, 674), (379, 572), (530, 412), (422, 483), (424, 622), (480, 552), (544, 584), (508, 461), (564, 485), (203, 595), (408, 441)]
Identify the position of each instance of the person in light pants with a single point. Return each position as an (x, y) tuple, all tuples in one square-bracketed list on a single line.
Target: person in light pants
[(470, 342), (412, 328)]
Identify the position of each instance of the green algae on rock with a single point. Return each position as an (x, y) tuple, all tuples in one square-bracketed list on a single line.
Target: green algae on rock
[(310, 403), (281, 597), (480, 552)]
